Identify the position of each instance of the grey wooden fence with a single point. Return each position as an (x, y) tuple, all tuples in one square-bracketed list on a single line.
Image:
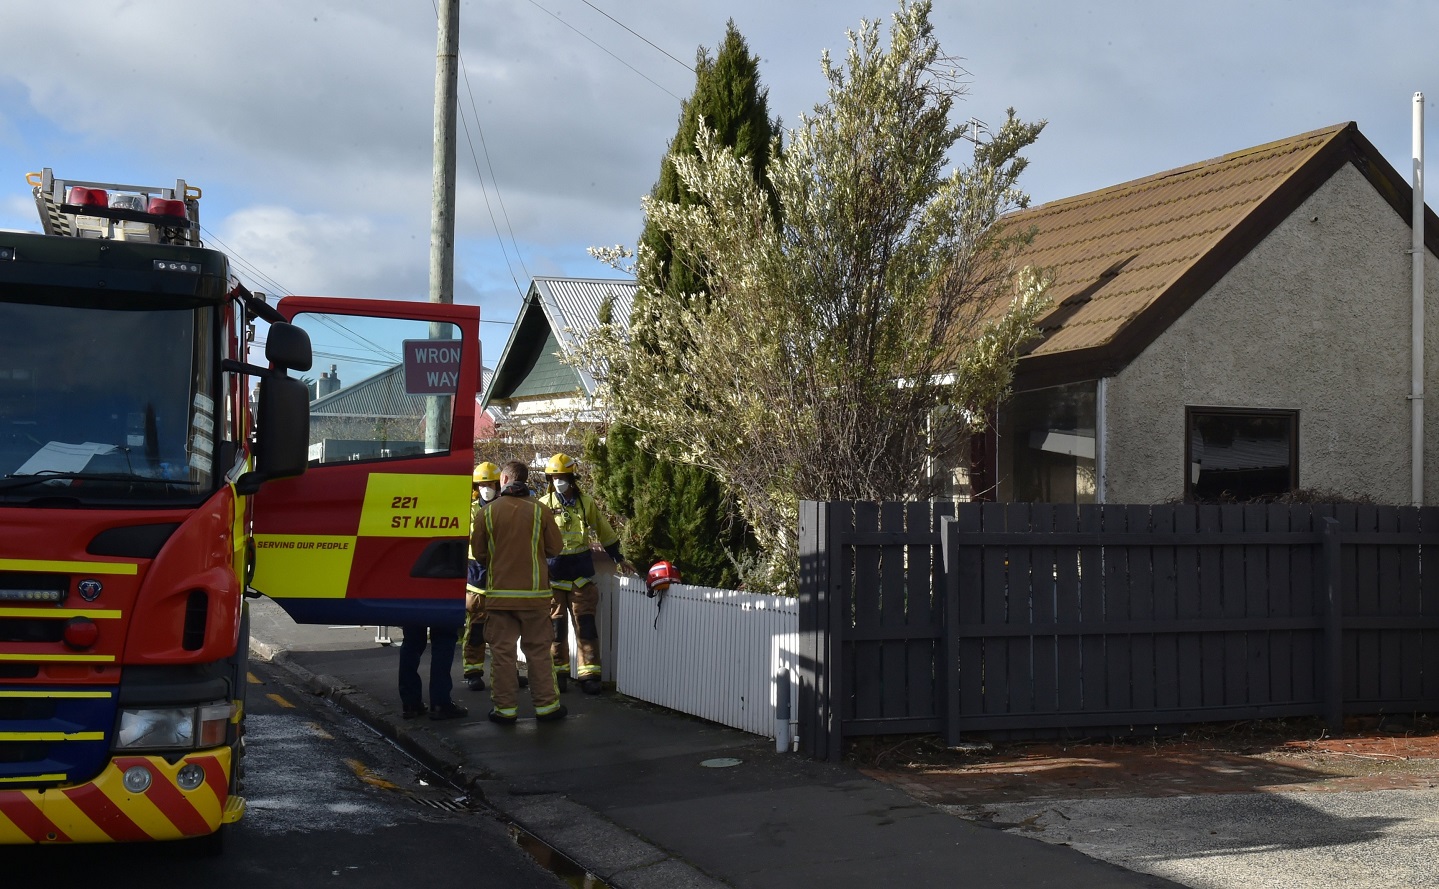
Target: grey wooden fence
[(1031, 620)]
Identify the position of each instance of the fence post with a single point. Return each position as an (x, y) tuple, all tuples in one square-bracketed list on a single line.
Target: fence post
[(815, 704), (949, 552), (781, 711), (1332, 579)]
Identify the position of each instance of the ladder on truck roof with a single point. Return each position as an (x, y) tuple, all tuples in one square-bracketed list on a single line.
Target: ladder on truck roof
[(115, 211)]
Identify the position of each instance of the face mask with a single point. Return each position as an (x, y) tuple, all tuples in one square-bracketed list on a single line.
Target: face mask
[(488, 492), (562, 486)]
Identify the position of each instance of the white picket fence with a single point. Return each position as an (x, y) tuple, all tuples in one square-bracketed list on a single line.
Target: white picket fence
[(715, 654)]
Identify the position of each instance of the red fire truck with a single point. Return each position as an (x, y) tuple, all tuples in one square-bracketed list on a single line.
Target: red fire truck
[(146, 490)]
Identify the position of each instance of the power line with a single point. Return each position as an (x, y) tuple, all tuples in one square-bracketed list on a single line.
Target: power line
[(607, 52), (685, 65), (494, 180)]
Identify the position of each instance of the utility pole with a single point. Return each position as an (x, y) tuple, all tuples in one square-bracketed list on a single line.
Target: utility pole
[(442, 211)]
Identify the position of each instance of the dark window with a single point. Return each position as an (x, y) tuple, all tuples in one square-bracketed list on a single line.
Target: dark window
[(1238, 455), (1046, 443)]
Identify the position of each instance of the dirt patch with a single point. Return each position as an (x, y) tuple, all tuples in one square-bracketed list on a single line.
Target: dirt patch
[(1248, 757)]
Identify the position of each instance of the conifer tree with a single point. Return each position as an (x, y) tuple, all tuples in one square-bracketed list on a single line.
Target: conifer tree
[(886, 293), (674, 510)]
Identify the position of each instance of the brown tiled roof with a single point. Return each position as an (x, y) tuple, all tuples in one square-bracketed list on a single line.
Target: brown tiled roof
[(1128, 260)]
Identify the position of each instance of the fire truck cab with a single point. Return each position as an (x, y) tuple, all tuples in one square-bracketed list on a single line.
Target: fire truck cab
[(151, 478)]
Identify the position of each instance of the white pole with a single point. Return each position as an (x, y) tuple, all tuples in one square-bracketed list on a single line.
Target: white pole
[(1416, 398)]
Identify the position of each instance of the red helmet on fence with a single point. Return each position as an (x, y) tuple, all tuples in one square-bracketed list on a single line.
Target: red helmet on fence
[(660, 576)]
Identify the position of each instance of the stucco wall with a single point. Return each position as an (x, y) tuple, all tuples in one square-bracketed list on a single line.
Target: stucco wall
[(1315, 319)]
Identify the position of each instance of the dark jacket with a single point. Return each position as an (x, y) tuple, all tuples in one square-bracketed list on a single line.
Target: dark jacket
[(513, 536)]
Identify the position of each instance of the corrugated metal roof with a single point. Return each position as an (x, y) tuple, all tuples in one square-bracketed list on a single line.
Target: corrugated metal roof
[(381, 396), (565, 309), (573, 307)]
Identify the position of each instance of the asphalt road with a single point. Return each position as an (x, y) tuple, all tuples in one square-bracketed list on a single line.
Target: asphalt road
[(330, 803)]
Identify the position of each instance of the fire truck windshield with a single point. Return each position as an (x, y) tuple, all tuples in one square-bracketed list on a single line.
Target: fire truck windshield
[(107, 407)]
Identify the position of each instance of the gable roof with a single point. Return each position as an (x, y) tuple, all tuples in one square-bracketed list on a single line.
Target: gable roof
[(381, 396), (556, 315), (1128, 260)]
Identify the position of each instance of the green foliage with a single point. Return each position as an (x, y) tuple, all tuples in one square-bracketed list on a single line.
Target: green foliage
[(832, 332), (676, 512), (672, 510)]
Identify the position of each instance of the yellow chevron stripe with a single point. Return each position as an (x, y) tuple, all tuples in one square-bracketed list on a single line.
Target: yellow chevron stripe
[(69, 818), (95, 613), (69, 567), (9, 833)]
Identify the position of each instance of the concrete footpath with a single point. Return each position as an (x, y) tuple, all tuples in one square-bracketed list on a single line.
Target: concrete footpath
[(632, 793)]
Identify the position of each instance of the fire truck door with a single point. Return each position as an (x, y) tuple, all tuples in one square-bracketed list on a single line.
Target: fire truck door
[(375, 531)]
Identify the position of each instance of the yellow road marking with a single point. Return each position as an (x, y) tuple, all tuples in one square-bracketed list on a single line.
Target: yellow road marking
[(253, 679), (363, 772), (280, 700)]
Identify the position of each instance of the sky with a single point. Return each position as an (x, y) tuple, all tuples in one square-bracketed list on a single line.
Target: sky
[(308, 124)]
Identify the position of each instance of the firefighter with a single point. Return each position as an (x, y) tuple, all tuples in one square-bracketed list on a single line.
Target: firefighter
[(572, 572), (513, 538), (484, 488)]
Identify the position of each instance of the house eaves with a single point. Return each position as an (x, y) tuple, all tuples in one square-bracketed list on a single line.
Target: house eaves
[(1129, 260), (569, 308)]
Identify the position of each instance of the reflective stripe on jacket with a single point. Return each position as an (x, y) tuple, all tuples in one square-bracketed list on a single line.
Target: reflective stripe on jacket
[(577, 520), (512, 538)]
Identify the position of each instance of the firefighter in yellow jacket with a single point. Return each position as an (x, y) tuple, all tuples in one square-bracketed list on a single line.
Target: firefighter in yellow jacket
[(572, 572), (512, 538), (484, 488)]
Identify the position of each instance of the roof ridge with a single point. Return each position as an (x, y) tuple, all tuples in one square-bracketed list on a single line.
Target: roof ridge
[(1252, 154)]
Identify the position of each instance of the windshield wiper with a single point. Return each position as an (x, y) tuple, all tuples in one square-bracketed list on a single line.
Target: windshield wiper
[(40, 478)]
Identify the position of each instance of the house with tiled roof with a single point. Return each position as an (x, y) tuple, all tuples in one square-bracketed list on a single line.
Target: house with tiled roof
[(531, 384), (1237, 327)]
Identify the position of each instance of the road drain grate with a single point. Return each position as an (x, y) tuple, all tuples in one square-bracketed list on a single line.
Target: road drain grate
[(444, 804)]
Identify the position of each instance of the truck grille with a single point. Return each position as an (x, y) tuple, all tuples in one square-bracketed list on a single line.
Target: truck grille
[(54, 736)]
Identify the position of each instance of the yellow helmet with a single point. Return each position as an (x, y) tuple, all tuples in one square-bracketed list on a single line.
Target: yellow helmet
[(486, 473), (561, 464)]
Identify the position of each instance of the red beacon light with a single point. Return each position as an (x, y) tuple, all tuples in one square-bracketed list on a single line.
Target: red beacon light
[(80, 196), (168, 207)]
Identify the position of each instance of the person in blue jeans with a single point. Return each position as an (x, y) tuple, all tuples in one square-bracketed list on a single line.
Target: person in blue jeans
[(443, 641)]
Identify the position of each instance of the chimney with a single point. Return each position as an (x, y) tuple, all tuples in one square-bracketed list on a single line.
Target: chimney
[(329, 382)]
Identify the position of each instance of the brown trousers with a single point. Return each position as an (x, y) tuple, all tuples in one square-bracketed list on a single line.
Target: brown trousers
[(534, 632), (474, 651), (582, 602)]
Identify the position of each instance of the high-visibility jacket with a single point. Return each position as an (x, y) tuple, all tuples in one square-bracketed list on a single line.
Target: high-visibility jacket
[(513, 536), (577, 519)]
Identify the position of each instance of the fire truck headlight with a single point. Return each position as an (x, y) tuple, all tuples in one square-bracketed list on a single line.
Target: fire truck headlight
[(161, 728), (170, 728)]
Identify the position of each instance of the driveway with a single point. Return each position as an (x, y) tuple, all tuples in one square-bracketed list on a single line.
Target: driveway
[(1277, 806)]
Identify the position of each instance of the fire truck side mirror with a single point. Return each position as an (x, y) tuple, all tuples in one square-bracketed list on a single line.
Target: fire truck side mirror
[(288, 347), (282, 432)]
